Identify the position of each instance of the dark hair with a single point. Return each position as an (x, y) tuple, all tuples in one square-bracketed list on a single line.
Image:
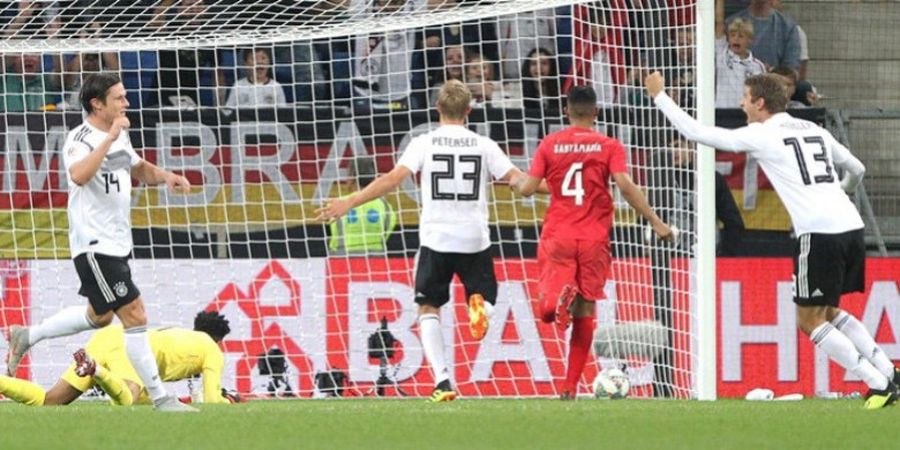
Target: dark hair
[(786, 72), (96, 85), (363, 169), (581, 101), (770, 88), (800, 94), (213, 324), (543, 91)]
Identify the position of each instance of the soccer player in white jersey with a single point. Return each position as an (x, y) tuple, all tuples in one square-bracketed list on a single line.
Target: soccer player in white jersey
[(100, 162), (457, 166), (800, 157)]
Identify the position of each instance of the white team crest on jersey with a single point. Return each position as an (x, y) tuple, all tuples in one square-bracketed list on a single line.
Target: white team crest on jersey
[(121, 289)]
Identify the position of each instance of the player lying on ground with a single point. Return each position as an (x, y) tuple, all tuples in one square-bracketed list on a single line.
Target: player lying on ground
[(181, 354), (457, 167), (577, 164), (800, 158)]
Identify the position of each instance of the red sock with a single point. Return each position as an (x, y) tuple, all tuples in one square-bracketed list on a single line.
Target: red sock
[(579, 348)]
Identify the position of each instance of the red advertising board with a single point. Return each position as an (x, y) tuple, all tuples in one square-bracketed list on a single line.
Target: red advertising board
[(321, 312)]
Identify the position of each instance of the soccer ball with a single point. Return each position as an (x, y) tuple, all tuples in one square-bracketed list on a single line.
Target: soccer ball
[(612, 384)]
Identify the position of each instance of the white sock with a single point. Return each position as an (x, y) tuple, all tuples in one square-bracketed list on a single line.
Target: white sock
[(856, 331), (137, 346), (839, 347), (488, 309), (65, 322), (433, 344)]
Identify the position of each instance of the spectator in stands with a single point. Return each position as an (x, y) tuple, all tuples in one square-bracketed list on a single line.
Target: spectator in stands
[(540, 82), (383, 61), (258, 88), (806, 93), (606, 69), (480, 79), (480, 36), (187, 77), (309, 77), (25, 86), (34, 19), (452, 70), (76, 70), (366, 228), (734, 61), (682, 73), (790, 84), (804, 42), (77, 66), (520, 34), (776, 40), (672, 179)]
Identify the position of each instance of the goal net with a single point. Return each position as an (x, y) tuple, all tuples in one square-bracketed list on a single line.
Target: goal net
[(270, 108)]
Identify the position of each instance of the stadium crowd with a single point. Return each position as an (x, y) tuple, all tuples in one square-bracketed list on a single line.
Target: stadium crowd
[(527, 60)]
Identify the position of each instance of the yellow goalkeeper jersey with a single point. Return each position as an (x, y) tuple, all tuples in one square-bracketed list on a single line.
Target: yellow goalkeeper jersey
[(180, 353)]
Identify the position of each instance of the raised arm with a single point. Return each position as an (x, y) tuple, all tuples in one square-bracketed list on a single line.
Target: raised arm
[(720, 18), (719, 138), (636, 199), (84, 170), (382, 185)]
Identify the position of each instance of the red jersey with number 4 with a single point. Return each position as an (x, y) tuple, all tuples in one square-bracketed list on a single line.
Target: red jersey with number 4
[(577, 163)]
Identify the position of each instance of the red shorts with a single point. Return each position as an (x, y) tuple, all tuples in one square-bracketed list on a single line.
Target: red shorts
[(583, 264)]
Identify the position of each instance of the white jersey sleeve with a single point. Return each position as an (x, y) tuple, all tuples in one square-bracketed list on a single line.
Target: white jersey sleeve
[(853, 168), (75, 151), (414, 156), (744, 139), (498, 163), (134, 158)]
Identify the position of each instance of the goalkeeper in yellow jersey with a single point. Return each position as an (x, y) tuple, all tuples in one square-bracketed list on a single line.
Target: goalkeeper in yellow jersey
[(180, 353)]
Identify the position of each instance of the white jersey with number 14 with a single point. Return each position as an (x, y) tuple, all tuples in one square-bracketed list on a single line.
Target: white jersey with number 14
[(100, 210)]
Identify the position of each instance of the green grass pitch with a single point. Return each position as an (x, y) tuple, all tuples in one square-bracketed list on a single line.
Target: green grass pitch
[(464, 424)]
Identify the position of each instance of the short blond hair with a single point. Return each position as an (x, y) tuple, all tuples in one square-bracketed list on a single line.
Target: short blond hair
[(454, 99), (741, 26)]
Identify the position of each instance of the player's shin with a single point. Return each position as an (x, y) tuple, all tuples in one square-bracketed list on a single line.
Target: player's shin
[(863, 341), (115, 387), (579, 348), (433, 345), (839, 347), (22, 391), (137, 346)]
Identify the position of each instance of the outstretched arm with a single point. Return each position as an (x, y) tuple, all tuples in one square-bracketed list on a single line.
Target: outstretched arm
[(720, 138), (636, 199), (336, 208), (525, 184)]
